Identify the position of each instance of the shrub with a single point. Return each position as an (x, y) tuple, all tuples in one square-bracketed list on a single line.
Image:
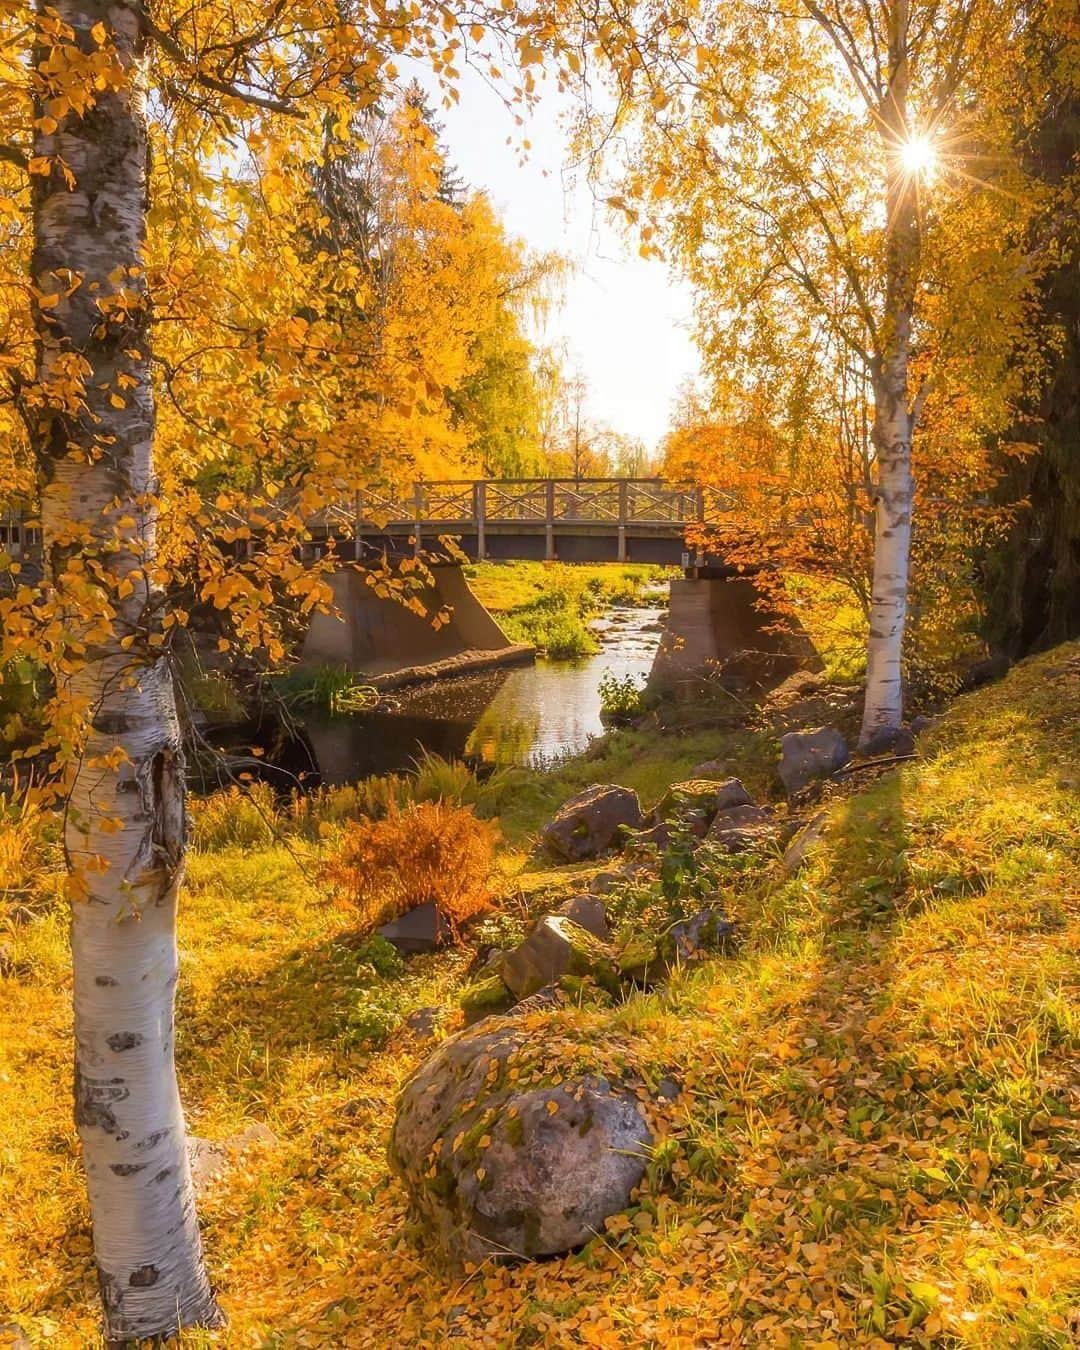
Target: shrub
[(329, 689), (434, 780), (620, 697), (559, 633), (22, 848), (236, 817), (428, 852)]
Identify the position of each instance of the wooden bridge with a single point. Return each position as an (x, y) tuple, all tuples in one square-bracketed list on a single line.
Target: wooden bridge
[(576, 520)]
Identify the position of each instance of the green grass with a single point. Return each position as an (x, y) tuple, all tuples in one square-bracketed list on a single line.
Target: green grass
[(550, 604), (877, 1135)]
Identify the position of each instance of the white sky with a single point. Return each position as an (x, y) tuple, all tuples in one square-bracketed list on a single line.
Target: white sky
[(625, 320)]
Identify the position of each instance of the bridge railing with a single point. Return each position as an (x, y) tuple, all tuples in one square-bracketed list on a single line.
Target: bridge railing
[(537, 501), (467, 506)]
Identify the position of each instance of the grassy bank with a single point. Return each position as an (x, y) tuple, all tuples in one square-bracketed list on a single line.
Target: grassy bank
[(877, 1138), (550, 604)]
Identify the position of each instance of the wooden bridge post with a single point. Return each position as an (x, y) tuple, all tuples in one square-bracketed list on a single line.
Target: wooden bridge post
[(549, 520), (480, 511), (418, 515), (623, 486), (358, 526)]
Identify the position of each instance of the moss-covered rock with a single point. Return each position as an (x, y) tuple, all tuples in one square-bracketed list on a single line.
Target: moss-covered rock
[(556, 947), (499, 1168), (484, 997), (591, 822), (699, 799)]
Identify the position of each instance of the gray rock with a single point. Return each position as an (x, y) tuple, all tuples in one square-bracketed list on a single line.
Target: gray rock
[(589, 912), (650, 960), (802, 843), (889, 741), (422, 929), (211, 1158), (702, 932), (742, 828), (485, 998), (606, 881), (589, 823), (491, 963), (700, 796), (556, 947), (710, 768), (423, 1022), (921, 723), (806, 755), (657, 836), (498, 1171)]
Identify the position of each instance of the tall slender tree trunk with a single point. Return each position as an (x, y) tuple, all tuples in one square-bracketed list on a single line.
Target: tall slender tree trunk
[(893, 426), (125, 823)]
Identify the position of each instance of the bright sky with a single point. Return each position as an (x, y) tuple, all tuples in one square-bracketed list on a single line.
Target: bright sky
[(625, 321)]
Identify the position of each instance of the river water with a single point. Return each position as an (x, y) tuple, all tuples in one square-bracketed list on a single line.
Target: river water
[(522, 715)]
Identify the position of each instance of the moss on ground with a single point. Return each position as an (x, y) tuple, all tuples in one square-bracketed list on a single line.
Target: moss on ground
[(875, 1139)]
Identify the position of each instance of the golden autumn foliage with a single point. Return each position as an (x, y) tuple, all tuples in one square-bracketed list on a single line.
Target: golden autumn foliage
[(874, 1142), (425, 853)]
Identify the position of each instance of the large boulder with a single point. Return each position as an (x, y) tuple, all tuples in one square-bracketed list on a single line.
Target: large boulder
[(806, 755), (589, 823), (498, 1169), (555, 947)]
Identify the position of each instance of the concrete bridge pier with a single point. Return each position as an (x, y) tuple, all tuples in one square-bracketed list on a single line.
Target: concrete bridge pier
[(716, 622), (388, 644)]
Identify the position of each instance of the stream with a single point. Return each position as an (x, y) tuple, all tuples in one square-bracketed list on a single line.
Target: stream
[(531, 715)]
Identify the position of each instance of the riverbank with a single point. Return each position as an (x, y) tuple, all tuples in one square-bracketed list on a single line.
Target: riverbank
[(550, 605), (874, 1139)]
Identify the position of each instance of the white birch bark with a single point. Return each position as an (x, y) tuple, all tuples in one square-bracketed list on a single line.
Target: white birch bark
[(125, 825), (893, 424)]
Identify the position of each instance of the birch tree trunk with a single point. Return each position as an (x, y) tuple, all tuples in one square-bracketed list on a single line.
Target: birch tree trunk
[(125, 825), (892, 430)]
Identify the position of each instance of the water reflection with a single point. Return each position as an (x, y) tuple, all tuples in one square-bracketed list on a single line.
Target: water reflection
[(525, 715)]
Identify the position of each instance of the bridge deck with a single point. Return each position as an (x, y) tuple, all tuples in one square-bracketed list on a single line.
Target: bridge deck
[(580, 520)]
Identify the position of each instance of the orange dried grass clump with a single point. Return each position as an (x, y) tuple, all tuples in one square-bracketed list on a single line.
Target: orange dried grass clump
[(426, 852)]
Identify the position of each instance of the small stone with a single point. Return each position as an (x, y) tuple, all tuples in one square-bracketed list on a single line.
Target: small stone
[(806, 755), (422, 929), (589, 912), (710, 768), (706, 796), (656, 836), (210, 1159), (798, 850), (422, 1022), (889, 741), (922, 723), (590, 822), (742, 828), (556, 947), (651, 959)]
